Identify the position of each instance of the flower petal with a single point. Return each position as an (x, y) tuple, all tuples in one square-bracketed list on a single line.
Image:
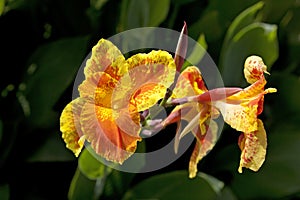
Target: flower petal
[(253, 146), (241, 109), (205, 143), (189, 83), (98, 87), (217, 94), (147, 80), (70, 126), (181, 48), (254, 68), (106, 57), (241, 117), (106, 138), (250, 92)]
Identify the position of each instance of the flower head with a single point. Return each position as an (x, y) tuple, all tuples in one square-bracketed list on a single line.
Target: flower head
[(239, 108), (113, 93)]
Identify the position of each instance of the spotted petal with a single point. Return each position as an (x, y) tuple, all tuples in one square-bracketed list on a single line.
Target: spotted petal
[(254, 68), (106, 57), (98, 87), (189, 83), (70, 127), (253, 146), (205, 143), (149, 76), (241, 109), (106, 137)]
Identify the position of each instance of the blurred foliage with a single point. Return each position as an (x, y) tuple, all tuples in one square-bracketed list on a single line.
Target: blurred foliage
[(43, 44)]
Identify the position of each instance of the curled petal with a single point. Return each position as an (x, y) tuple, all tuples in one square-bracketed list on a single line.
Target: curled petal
[(254, 68), (189, 83), (253, 146), (250, 92), (205, 143), (98, 87), (106, 57), (70, 126), (147, 80), (106, 137)]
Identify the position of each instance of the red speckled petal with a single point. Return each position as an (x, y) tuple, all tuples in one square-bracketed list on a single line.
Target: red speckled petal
[(253, 146), (106, 57)]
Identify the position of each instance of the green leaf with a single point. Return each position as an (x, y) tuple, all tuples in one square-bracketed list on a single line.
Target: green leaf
[(52, 69), (279, 176), (91, 167), (136, 13), (4, 192), (288, 95), (227, 194), (2, 5), (81, 187), (98, 4), (216, 185), (182, 2), (158, 11), (216, 18), (52, 150), (1, 130), (256, 39), (173, 185), (117, 183), (274, 10), (244, 19)]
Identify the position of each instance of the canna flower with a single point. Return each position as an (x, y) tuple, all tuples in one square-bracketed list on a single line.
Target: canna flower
[(240, 111), (198, 112), (106, 113), (239, 108)]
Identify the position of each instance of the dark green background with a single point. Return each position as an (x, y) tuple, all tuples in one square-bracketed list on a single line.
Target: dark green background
[(44, 42)]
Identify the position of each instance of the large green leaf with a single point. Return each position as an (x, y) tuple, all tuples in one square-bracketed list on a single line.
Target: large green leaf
[(274, 10), (4, 192), (279, 176), (182, 2), (255, 39), (174, 185), (1, 130), (52, 150), (244, 19), (2, 5), (91, 167), (288, 96), (158, 11), (81, 187), (136, 13), (117, 183), (52, 69), (216, 18)]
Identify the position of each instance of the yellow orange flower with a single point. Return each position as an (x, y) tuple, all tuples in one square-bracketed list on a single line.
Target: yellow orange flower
[(240, 111), (239, 107), (114, 92), (190, 83)]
